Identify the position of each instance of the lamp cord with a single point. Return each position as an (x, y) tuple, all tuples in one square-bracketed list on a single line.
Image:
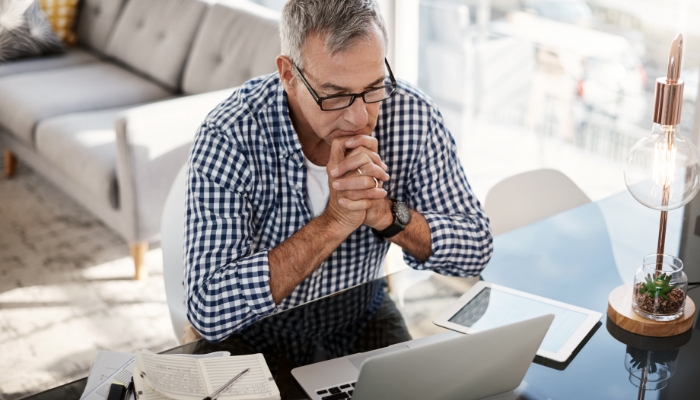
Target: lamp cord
[(694, 285)]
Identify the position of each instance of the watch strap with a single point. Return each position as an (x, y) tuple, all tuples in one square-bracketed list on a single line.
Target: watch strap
[(394, 229), (391, 231)]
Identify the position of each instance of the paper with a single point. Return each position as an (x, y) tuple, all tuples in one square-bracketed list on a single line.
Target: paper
[(106, 364), (176, 377), (255, 383), (189, 379), (113, 366), (145, 392), (109, 367)]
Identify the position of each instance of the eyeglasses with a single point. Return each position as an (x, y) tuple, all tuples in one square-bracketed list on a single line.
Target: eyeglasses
[(340, 101)]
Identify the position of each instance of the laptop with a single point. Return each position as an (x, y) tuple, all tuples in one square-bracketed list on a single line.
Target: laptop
[(444, 366)]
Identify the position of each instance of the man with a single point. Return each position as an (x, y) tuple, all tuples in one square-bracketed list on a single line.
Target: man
[(299, 181)]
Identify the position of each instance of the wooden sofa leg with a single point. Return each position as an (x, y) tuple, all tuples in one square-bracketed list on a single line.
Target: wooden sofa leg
[(10, 164), (138, 253)]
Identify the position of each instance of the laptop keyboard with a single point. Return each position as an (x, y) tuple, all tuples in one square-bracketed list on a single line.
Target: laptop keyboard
[(337, 392)]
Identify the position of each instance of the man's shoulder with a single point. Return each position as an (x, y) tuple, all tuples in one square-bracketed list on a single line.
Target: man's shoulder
[(246, 102), (406, 92), (409, 103)]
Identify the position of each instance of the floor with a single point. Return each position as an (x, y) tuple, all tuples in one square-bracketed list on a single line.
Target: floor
[(66, 289)]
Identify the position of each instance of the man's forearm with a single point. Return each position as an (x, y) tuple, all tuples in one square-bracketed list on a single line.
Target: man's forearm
[(415, 239), (295, 258)]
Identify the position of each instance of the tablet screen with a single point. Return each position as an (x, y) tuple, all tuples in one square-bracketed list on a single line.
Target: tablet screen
[(492, 308)]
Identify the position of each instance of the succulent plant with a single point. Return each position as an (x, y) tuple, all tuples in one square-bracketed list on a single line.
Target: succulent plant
[(652, 366), (659, 286)]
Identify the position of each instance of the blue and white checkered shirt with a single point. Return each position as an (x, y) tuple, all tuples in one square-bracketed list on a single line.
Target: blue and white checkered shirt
[(246, 194)]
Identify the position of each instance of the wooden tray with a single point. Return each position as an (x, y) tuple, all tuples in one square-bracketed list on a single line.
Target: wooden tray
[(621, 313)]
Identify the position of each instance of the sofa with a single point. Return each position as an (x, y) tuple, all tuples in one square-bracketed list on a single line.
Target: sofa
[(111, 120)]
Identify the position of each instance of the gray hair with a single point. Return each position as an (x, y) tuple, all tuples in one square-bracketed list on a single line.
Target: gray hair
[(342, 21)]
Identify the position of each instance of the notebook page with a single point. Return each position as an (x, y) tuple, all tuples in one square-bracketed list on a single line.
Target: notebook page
[(144, 392), (177, 377), (255, 384), (109, 366)]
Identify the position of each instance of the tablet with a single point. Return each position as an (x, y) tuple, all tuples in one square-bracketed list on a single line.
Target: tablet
[(487, 306)]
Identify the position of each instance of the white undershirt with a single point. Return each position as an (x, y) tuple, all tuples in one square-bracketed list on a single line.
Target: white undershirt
[(317, 190)]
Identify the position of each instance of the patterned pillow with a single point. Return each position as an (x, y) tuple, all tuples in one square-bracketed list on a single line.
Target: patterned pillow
[(61, 15), (24, 31)]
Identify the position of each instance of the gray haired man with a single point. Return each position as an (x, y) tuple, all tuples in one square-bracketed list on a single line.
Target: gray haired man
[(298, 183)]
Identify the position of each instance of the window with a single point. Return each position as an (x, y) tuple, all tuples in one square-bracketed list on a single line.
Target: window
[(564, 84)]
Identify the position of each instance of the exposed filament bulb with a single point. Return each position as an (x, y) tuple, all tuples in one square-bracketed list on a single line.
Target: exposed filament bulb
[(664, 168)]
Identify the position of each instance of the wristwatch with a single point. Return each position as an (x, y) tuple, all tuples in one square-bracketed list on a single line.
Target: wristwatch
[(402, 216)]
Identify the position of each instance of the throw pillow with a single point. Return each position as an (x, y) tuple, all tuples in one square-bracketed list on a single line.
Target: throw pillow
[(61, 15), (24, 31)]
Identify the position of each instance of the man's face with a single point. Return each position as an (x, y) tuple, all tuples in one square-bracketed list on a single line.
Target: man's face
[(354, 70)]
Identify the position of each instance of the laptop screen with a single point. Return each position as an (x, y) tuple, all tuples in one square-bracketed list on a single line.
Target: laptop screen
[(492, 308)]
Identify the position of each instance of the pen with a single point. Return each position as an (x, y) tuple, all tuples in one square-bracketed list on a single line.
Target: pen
[(129, 389), (226, 385)]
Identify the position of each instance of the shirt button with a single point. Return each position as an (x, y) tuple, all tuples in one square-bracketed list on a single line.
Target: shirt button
[(296, 157), (297, 187)]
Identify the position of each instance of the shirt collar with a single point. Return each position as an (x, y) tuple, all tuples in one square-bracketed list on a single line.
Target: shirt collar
[(289, 141)]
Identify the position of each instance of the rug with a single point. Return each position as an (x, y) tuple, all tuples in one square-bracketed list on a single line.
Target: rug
[(66, 289)]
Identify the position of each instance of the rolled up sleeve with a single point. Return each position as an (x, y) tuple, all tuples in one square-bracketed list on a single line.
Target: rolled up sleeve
[(226, 283), (461, 239)]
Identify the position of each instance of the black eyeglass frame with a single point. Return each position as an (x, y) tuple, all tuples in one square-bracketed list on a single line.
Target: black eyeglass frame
[(320, 100)]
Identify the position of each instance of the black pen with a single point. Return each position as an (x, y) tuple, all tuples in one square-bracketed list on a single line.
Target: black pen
[(226, 385), (129, 388)]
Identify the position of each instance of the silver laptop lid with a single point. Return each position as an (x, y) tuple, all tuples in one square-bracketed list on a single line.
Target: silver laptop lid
[(468, 367)]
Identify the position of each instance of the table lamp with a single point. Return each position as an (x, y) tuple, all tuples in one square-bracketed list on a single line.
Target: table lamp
[(661, 172)]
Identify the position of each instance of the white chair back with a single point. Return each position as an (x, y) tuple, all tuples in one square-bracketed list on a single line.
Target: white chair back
[(529, 197), (172, 243)]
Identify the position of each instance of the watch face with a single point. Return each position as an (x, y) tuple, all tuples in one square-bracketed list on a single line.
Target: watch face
[(402, 213)]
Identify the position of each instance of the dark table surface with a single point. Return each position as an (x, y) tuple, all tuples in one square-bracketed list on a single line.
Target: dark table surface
[(577, 257)]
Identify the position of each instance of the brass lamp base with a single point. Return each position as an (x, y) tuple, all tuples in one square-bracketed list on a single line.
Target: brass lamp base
[(620, 312)]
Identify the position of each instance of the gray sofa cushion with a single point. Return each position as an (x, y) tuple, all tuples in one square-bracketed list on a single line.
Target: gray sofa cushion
[(155, 36), (96, 21), (26, 99), (73, 56), (83, 146), (237, 41)]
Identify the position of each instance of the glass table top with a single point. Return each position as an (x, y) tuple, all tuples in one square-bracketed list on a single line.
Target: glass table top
[(577, 257)]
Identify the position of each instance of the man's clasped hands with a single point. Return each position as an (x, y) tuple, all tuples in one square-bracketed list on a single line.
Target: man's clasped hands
[(356, 174)]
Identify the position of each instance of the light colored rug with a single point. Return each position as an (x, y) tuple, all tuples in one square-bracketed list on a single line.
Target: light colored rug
[(66, 289)]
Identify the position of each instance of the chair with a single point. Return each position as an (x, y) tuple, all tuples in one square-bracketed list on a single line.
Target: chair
[(172, 235), (529, 197)]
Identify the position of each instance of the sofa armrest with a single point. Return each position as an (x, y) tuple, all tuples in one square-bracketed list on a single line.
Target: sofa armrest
[(153, 143)]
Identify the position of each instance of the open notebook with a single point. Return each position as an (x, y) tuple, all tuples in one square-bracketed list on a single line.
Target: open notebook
[(163, 377)]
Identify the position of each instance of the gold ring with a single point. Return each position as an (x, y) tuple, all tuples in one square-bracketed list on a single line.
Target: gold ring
[(376, 182), (359, 171)]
